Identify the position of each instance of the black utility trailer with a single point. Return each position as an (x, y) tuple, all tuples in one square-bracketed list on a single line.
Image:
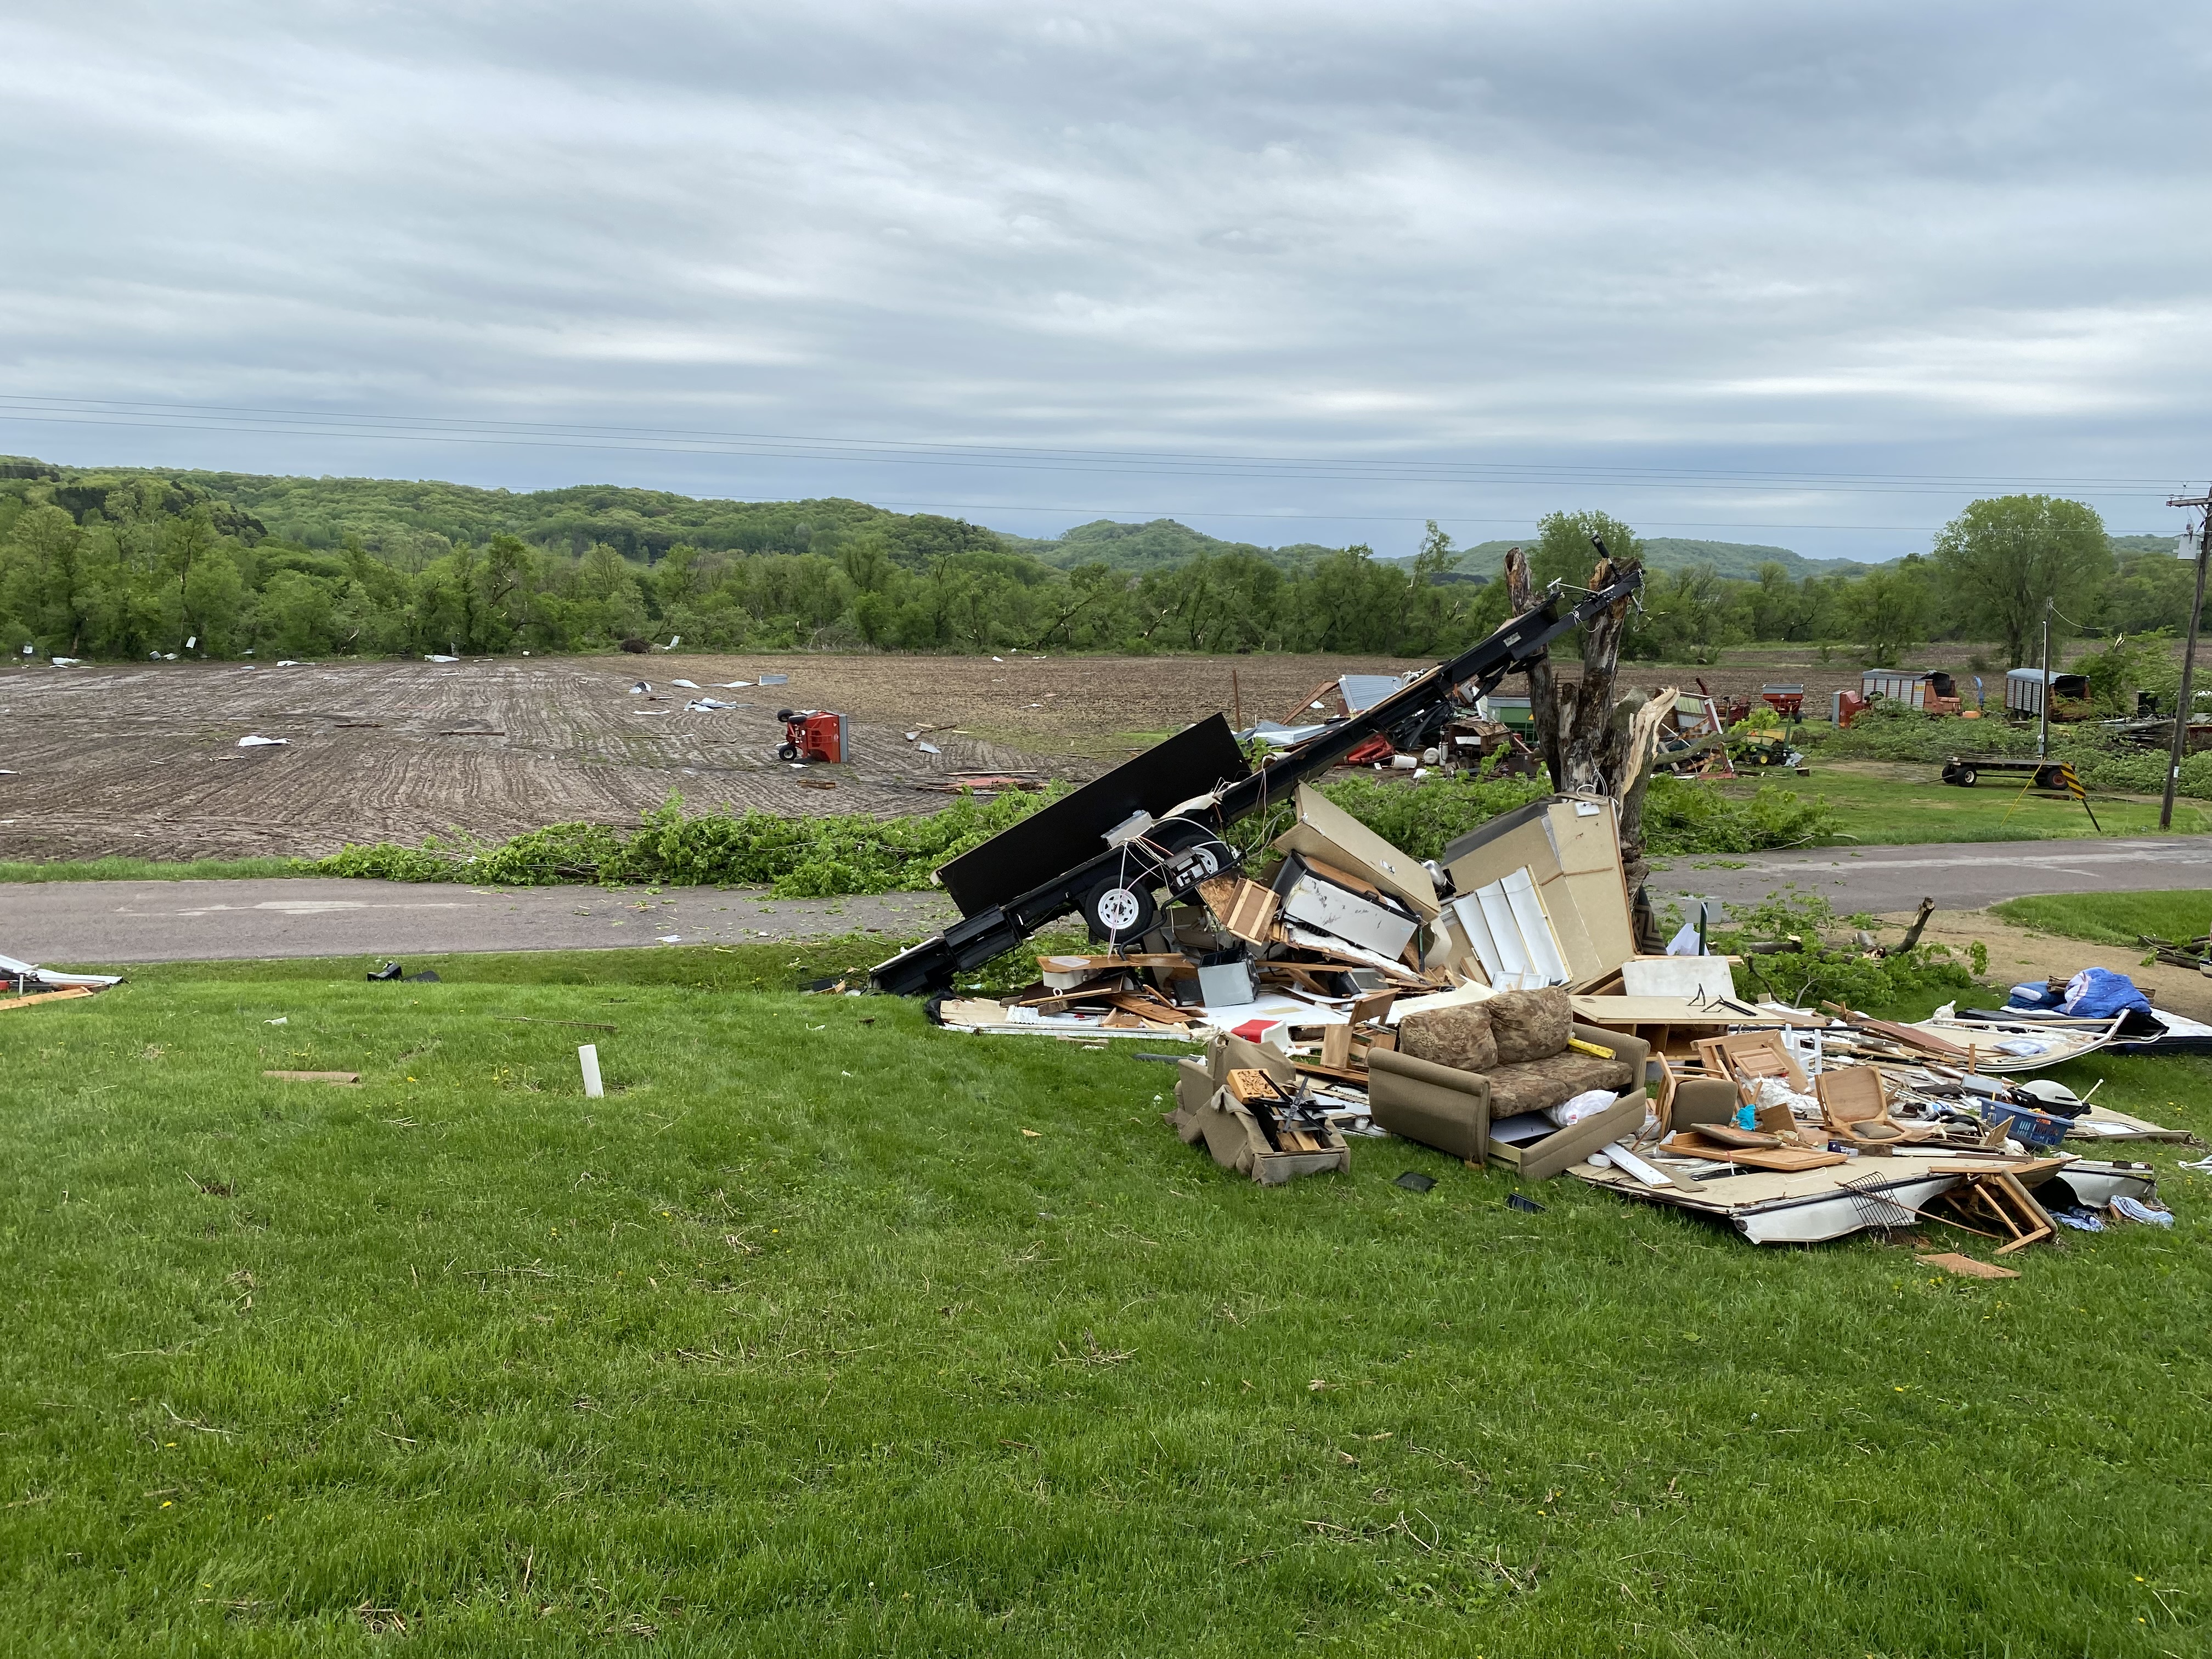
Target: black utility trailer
[(1966, 770), (1156, 821), (2058, 776)]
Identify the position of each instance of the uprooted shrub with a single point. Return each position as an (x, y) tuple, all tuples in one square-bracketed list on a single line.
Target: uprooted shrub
[(794, 858), (1824, 969), (1684, 816), (821, 857)]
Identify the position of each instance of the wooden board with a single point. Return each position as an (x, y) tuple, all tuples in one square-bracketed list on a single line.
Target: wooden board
[(1782, 1160), (47, 996), (1966, 1266), (313, 1077)]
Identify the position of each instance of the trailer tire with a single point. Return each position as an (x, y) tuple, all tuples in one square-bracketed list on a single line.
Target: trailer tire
[(1964, 776), (1113, 910), (784, 715), (2046, 777), (789, 751)]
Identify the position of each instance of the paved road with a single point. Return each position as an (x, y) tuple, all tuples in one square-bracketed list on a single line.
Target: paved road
[(1962, 876), (70, 923), (63, 924)]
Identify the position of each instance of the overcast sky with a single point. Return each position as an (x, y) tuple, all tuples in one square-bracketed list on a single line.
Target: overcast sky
[(1286, 272)]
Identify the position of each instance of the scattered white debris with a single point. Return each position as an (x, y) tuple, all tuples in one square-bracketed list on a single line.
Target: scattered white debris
[(735, 685), (670, 939), (287, 662), (929, 749), (252, 740), (65, 662), (914, 736), (440, 657), (643, 688), (706, 705), (689, 685), (281, 1019)]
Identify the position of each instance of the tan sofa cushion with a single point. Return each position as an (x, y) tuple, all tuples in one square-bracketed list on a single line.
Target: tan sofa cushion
[(1529, 1024), (1457, 1036), (1533, 1084)]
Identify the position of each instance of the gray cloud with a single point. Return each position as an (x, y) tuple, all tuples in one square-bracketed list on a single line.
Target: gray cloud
[(1952, 241)]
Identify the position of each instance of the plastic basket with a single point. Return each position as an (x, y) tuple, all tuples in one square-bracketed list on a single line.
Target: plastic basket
[(2030, 1128)]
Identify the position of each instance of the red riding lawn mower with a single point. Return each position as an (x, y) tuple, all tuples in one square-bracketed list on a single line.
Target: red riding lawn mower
[(810, 735)]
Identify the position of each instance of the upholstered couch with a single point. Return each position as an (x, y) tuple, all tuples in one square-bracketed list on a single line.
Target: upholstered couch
[(1461, 1068)]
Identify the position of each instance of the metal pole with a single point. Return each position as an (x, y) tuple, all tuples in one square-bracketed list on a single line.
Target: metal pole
[(2188, 675), (2043, 720)]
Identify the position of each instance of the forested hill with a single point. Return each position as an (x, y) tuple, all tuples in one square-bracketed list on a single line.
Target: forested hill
[(420, 518), (1157, 544), (129, 563)]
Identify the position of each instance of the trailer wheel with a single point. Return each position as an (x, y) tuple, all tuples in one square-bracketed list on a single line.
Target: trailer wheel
[(784, 715), (1964, 776), (789, 751), (2046, 777), (1111, 910)]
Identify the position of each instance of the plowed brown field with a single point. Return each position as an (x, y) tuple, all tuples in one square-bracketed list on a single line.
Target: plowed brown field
[(143, 760)]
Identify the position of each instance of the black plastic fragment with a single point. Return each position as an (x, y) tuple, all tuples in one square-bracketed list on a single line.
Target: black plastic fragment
[(1414, 1181), (1526, 1206)]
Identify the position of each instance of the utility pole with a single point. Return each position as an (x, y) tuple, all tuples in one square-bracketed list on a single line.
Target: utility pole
[(2204, 506), (2042, 703)]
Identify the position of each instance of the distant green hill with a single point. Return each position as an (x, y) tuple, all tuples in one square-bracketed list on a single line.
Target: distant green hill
[(1158, 544)]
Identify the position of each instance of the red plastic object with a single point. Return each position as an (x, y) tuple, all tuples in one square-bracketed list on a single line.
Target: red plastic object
[(812, 734), (1376, 748), (1253, 1030)]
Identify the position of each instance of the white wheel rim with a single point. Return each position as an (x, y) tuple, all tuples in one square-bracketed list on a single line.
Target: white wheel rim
[(1118, 910)]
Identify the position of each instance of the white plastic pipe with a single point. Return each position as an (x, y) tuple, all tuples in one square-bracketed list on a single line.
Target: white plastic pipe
[(588, 1058)]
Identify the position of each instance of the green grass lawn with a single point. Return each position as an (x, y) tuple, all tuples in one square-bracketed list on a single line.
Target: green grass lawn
[(148, 869), (2113, 918), (827, 1333), (1896, 804)]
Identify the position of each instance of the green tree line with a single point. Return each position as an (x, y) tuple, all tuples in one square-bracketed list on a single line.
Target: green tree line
[(142, 565)]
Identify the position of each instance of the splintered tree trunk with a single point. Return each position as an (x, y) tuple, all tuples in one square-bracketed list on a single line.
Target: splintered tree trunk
[(1543, 690), (1591, 745), (1581, 743)]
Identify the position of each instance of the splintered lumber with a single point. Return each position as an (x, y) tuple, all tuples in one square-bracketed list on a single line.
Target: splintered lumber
[(313, 1077), (47, 996), (1904, 1035)]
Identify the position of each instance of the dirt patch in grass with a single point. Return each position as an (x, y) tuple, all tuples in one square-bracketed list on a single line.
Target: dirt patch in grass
[(2019, 954)]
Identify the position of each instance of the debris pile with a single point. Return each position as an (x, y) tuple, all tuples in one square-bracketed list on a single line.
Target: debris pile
[(23, 984), (1500, 1004)]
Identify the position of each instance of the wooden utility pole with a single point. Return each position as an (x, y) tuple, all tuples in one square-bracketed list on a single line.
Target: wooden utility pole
[(2204, 506), (2043, 719)]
